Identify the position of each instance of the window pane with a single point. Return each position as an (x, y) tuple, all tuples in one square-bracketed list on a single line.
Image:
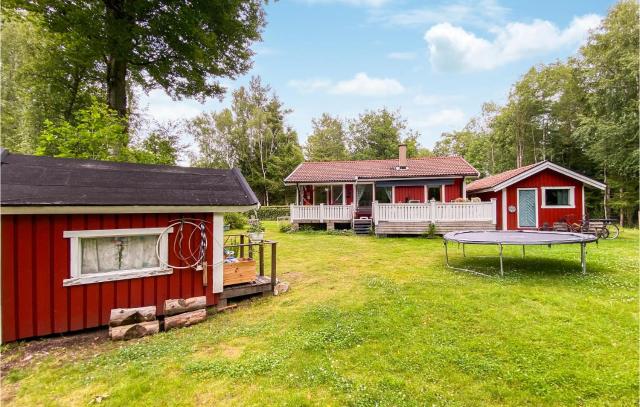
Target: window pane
[(105, 254), (322, 192), (383, 194), (364, 194), (336, 194), (556, 197), (434, 193)]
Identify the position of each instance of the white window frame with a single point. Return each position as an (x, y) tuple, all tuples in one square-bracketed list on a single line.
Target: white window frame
[(518, 208), (75, 259), (572, 197)]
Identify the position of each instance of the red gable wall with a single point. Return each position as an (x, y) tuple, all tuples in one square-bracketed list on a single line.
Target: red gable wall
[(35, 261)]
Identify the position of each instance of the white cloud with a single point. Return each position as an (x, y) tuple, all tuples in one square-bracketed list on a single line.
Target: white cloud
[(403, 56), (478, 13), (451, 48), (361, 84), (364, 85)]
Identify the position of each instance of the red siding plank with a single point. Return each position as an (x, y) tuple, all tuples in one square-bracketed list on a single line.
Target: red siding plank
[(44, 276), (9, 281), (24, 251)]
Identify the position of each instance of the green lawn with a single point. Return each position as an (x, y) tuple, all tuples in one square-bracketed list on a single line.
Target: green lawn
[(381, 322)]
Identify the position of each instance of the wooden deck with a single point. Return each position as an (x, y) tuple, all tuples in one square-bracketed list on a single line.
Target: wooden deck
[(419, 228)]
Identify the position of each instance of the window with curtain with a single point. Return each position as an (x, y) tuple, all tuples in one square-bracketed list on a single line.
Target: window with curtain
[(336, 195), (364, 194), (434, 193), (383, 194)]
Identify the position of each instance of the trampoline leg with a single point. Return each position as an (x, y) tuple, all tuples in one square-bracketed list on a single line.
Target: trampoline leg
[(446, 253), (463, 253), (523, 251), (583, 257), (501, 267)]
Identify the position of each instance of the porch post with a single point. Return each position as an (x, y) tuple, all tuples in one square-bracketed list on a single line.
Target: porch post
[(432, 203), (321, 213), (291, 213), (494, 208), (218, 252), (374, 212)]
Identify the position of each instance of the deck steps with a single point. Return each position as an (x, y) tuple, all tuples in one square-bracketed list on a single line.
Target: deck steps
[(362, 226)]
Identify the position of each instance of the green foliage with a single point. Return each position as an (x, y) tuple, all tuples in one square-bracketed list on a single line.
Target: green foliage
[(251, 135), (285, 228), (255, 226), (235, 220), (581, 114), (272, 212), (178, 46), (328, 142), (376, 135), (161, 146), (99, 135)]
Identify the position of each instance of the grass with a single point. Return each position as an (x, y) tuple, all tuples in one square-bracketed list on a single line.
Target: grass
[(382, 322)]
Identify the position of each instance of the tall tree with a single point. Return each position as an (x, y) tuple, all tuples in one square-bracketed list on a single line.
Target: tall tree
[(180, 46), (328, 141), (376, 135), (253, 136)]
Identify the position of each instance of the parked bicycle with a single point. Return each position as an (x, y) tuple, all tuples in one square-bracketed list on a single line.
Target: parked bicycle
[(601, 228)]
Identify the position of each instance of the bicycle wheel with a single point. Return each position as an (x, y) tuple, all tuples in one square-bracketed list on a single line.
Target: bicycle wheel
[(613, 230)]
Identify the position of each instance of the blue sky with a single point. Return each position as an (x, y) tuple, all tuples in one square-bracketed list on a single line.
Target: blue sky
[(435, 61)]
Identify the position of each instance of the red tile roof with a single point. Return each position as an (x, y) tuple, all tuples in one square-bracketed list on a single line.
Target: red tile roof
[(492, 181), (337, 171)]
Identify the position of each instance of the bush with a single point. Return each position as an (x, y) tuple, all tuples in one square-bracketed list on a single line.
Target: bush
[(271, 212), (235, 220), (286, 228)]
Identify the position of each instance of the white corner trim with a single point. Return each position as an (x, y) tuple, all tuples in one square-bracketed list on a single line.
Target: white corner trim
[(115, 276), (572, 197), (70, 210), (518, 207), (218, 252), (504, 209), (551, 166), (584, 198)]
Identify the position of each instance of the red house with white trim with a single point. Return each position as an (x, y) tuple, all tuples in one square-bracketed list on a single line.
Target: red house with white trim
[(534, 195), (80, 237)]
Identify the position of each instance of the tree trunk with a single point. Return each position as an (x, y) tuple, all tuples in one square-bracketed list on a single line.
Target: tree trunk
[(621, 209), (128, 316), (122, 333), (606, 195), (117, 85), (173, 307), (184, 320)]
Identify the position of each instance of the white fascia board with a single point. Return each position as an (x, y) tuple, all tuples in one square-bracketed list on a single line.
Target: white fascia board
[(551, 166), (71, 210)]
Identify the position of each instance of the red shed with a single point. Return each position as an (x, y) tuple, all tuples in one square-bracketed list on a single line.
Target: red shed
[(80, 237), (534, 195)]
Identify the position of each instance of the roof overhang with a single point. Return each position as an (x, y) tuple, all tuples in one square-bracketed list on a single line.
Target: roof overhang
[(71, 210), (546, 165), (360, 179)]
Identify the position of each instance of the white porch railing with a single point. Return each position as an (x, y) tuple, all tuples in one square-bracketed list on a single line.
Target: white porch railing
[(321, 213), (435, 211), (401, 212)]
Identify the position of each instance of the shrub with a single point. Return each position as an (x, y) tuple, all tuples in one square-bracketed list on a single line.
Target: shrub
[(235, 220), (271, 212), (286, 228)]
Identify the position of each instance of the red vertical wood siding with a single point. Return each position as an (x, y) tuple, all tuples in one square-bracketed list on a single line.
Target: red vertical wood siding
[(35, 261), (486, 196), (406, 194), (453, 191), (546, 178), (348, 194)]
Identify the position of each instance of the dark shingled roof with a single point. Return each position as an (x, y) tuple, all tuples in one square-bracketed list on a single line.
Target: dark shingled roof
[(34, 181)]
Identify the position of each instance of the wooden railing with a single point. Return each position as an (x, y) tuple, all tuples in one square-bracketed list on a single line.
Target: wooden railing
[(435, 211), (321, 213)]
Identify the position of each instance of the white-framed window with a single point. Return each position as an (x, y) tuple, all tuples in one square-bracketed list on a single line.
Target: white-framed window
[(559, 197), (116, 254)]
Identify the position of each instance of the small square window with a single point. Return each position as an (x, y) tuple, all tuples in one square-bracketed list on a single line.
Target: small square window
[(558, 197)]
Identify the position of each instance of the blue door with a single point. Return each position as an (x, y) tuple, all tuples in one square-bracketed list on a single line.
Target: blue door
[(527, 208)]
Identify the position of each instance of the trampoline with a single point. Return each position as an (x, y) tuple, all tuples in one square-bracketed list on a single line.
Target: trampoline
[(522, 238)]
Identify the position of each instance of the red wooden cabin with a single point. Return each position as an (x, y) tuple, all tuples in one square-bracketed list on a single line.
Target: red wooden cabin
[(62, 219), (535, 195)]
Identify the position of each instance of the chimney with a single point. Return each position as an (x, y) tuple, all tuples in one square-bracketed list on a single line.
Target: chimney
[(402, 157)]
